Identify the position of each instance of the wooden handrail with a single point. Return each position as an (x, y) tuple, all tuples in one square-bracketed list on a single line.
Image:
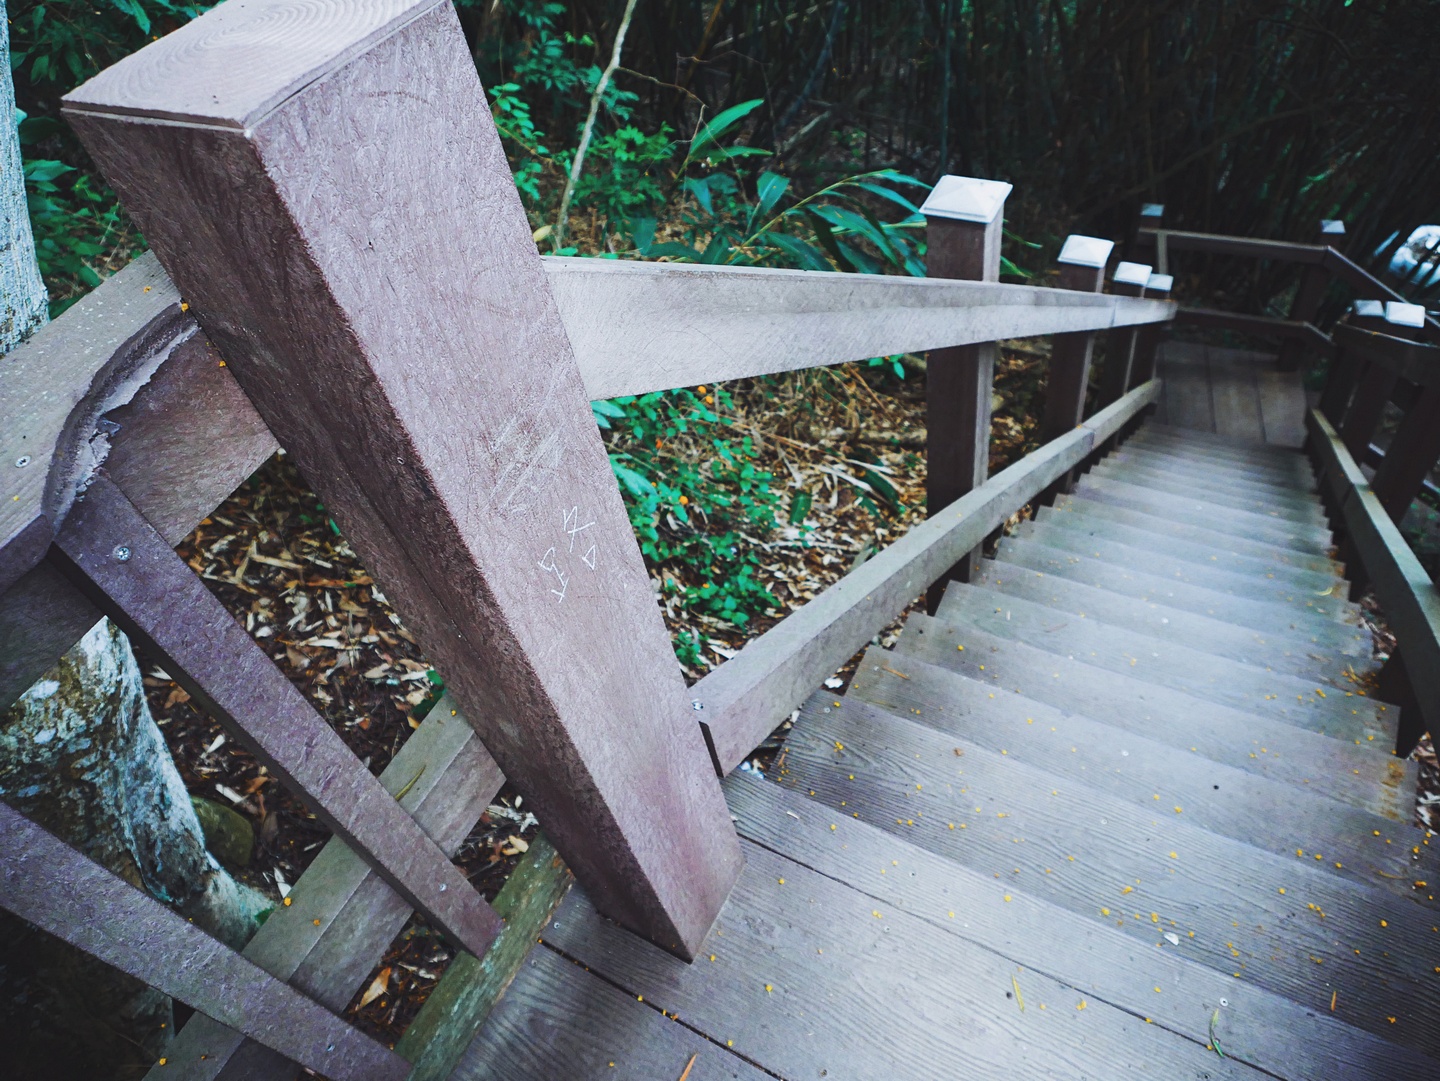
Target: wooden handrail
[(1407, 359), (742, 701), (1406, 592), (1224, 244), (1262, 325)]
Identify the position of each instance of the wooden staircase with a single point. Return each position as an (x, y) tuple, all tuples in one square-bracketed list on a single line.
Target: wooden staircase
[(1121, 808)]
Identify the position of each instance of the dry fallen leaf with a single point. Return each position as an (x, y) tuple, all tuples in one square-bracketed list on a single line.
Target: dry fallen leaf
[(377, 987)]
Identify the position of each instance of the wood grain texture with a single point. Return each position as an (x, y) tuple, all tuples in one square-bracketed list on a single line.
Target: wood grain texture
[(638, 327), (1318, 704), (559, 1020), (856, 995), (57, 384), (438, 1038), (108, 550), (60, 891), (343, 915), (1361, 774), (1299, 478), (1187, 386), (1293, 821), (1258, 1027), (1234, 491), (497, 530), (742, 701), (1225, 891)]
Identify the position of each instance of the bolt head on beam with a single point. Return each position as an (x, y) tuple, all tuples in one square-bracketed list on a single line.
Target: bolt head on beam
[(1400, 314), (1132, 274), (1159, 283), (966, 198), (1089, 251)]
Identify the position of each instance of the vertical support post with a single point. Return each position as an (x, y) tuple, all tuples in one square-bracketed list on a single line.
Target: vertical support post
[(964, 220), (1128, 281), (329, 192), (1147, 337), (1397, 688), (1082, 267), (1149, 220), (1314, 280)]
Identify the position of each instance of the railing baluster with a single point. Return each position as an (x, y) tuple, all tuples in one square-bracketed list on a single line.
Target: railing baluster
[(1147, 338), (138, 580), (1082, 267), (1314, 281), (365, 260), (1128, 280), (965, 221), (47, 882)]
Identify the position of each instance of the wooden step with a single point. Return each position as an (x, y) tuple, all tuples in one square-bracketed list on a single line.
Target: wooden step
[(1217, 444), (1203, 542), (812, 978), (1198, 512), (1299, 510), (1277, 922), (1098, 960), (1297, 504), (1299, 822), (1365, 774), (1285, 463), (1324, 706), (1282, 651), (1175, 557), (1315, 621), (1208, 470)]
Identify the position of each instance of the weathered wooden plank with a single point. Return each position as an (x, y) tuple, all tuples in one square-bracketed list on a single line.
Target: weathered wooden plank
[(60, 891), (446, 1025), (965, 220), (184, 442), (559, 1020), (499, 532), (1210, 443), (1297, 479), (1403, 357), (57, 384), (1256, 1026), (1236, 399), (1280, 650), (638, 327), (134, 576), (1319, 704), (342, 915), (1227, 892), (1091, 513), (1361, 774), (1306, 617), (1187, 387), (742, 701), (1233, 491), (1222, 244), (1409, 596), (1294, 821), (1136, 551), (1282, 407), (853, 994)]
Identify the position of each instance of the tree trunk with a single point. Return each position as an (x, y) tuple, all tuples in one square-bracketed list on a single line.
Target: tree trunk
[(81, 755)]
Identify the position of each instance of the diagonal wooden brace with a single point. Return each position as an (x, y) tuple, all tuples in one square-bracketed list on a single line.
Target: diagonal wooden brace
[(138, 580), (326, 187)]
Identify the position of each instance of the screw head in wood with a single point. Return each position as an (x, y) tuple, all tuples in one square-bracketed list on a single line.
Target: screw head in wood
[(121, 553), (22, 461), (697, 705)]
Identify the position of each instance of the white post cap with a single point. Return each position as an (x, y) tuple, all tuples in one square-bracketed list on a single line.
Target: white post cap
[(1370, 309), (1332, 226), (1152, 210), (1089, 251), (966, 198), (1401, 314), (1132, 273), (1159, 283)]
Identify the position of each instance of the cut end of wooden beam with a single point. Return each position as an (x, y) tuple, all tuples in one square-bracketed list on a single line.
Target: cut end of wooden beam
[(238, 61)]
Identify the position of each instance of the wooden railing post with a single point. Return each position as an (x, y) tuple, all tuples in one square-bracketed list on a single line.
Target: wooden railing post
[(1129, 280), (1082, 267), (1314, 280), (964, 220), (329, 192), (1150, 219), (1147, 337)]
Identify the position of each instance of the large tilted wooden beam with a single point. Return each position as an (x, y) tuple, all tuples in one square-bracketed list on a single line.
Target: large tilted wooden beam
[(325, 185), (742, 701), (638, 327)]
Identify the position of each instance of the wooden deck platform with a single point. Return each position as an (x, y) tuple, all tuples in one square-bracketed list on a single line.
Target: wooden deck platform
[(1236, 393), (1115, 811)]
